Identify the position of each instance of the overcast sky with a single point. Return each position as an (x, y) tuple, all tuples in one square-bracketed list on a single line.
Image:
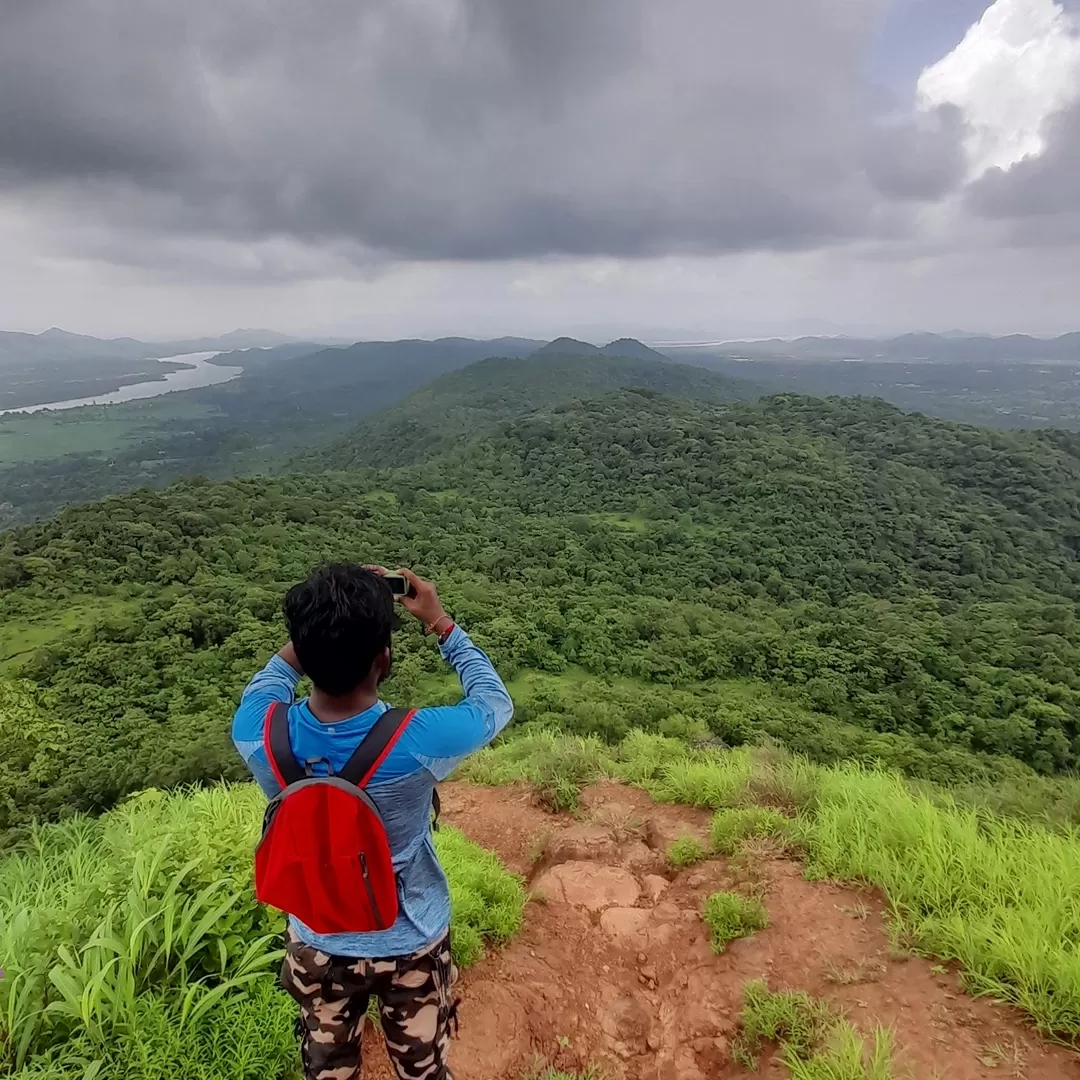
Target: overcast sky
[(684, 169)]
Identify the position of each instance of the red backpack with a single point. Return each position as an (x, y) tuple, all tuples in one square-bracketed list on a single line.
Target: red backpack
[(324, 856)]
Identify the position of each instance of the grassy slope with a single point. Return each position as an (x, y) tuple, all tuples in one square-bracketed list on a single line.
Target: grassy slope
[(140, 934)]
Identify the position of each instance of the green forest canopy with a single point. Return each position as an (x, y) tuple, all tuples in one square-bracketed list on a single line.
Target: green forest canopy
[(832, 573)]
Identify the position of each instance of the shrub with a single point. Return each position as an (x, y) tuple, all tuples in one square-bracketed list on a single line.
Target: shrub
[(641, 758), (686, 851), (789, 1018), (730, 916), (711, 782), (815, 1043), (846, 1056), (730, 828), (559, 767), (780, 779)]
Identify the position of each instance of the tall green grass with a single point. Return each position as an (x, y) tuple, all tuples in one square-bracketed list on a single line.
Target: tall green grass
[(486, 901), (815, 1042), (133, 944), (999, 895), (730, 916), (732, 828)]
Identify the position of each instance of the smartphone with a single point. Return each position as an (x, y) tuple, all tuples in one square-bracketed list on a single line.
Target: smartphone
[(399, 584)]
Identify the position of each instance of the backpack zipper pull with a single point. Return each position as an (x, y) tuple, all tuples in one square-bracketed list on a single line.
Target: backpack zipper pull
[(371, 892)]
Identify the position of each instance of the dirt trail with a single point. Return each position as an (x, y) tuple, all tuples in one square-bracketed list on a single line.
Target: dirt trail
[(613, 967)]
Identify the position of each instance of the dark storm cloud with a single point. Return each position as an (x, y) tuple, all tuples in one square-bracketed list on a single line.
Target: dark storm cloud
[(1038, 199), (1037, 187), (921, 157), (460, 128)]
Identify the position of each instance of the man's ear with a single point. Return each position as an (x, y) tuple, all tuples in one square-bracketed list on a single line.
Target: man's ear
[(382, 664)]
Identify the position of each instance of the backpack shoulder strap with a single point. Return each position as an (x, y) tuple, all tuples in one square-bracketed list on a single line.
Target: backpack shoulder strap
[(377, 744), (279, 753)]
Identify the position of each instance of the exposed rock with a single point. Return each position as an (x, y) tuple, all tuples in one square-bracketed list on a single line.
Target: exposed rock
[(638, 854), (686, 1066), (588, 885), (582, 843), (655, 886), (623, 922), (627, 1024), (660, 834), (494, 1036)]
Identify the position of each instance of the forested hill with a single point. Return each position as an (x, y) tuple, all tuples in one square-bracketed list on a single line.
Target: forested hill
[(468, 402), (834, 574), (885, 498)]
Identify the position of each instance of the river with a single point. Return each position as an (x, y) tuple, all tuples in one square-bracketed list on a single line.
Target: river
[(200, 373)]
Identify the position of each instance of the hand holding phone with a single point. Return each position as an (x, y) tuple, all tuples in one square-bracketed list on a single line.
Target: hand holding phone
[(399, 584), (416, 596)]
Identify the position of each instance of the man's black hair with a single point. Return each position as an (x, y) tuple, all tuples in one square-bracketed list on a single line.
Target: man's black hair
[(339, 620)]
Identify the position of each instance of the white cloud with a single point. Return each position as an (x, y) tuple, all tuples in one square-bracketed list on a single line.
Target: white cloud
[(1019, 64)]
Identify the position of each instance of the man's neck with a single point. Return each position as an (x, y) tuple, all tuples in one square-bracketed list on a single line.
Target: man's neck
[(331, 709)]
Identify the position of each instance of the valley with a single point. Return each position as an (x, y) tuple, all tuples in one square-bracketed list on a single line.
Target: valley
[(781, 610), (1011, 382)]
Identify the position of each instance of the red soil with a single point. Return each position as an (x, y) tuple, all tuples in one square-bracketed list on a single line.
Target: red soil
[(613, 968)]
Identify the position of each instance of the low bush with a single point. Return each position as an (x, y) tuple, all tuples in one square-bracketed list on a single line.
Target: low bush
[(814, 1041), (789, 1018), (731, 828), (729, 916), (558, 766), (686, 851)]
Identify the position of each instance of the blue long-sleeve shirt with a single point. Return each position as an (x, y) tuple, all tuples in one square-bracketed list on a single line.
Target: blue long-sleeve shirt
[(431, 747)]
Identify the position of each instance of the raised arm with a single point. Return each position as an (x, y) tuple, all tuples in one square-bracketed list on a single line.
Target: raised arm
[(276, 682), (439, 738)]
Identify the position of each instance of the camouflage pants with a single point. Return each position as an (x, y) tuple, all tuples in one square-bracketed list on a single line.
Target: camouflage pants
[(415, 1009)]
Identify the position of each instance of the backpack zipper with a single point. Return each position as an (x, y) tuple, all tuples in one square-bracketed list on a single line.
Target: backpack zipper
[(371, 892)]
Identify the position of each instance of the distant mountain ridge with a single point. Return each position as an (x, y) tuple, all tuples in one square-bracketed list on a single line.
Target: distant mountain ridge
[(629, 347), (567, 346), (500, 389), (953, 347), (60, 346)]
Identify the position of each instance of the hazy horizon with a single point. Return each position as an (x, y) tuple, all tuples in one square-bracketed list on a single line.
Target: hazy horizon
[(658, 339)]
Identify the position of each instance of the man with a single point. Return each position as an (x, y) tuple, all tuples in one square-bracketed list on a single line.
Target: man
[(340, 622)]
